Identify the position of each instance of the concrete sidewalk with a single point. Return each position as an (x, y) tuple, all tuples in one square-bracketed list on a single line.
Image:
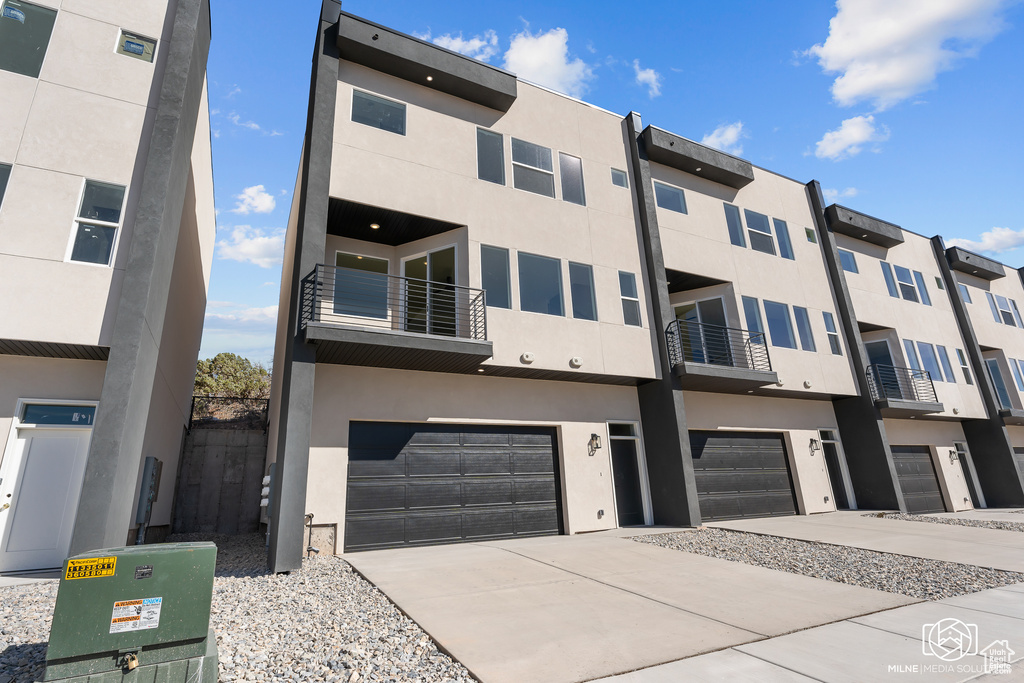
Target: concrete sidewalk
[(991, 548), (575, 608)]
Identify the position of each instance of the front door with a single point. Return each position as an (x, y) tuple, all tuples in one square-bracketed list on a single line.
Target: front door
[(703, 330), (430, 295), (40, 483), (880, 356), (629, 500), (835, 466)]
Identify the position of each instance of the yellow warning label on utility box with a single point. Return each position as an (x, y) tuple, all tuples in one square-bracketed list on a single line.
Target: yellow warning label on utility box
[(91, 568)]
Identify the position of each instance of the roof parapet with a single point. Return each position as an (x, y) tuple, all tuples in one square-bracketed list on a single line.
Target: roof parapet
[(697, 159), (863, 227)]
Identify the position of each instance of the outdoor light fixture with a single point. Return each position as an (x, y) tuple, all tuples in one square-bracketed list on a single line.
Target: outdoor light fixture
[(814, 446), (952, 456), (374, 226), (593, 444), (430, 78)]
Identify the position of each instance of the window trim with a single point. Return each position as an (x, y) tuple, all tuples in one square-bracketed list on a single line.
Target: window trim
[(78, 219), (593, 291), (512, 158), (673, 188), (832, 334), (373, 96), (755, 326), (645, 484), (900, 284), (561, 179), (49, 37), (890, 280), (623, 299), (812, 237), (1015, 371), (853, 260), (964, 366), (804, 343), (993, 376), (736, 232), (561, 284), (508, 275), (789, 325), (782, 240), (751, 230), (500, 136), (947, 367), (625, 177), (965, 294)]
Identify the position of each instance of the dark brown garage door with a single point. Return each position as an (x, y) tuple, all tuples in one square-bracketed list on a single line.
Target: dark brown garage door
[(916, 474), (426, 484), (741, 474)]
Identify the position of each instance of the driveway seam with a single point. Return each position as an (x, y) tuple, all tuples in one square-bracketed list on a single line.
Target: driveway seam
[(781, 666)]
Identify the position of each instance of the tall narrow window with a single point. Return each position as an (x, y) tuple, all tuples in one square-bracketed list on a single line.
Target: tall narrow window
[(668, 197), (1004, 311), (732, 219), (963, 366), (833, 334), (782, 234), (848, 261), (619, 178), (490, 156), (906, 282), (803, 328), (998, 384), (965, 294), (1016, 313), (752, 314), (571, 169), (929, 360), (540, 284), (922, 290), (760, 232), (947, 368), (890, 283), (378, 112), (98, 220), (494, 275), (5, 175), (581, 291), (1015, 367), (531, 168), (779, 325), (24, 36), (630, 299), (912, 360)]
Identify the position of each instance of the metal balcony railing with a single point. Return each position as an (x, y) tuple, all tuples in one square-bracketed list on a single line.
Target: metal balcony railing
[(358, 298), (694, 342), (906, 384)]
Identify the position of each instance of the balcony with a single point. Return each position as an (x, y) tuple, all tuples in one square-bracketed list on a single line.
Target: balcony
[(357, 317), (902, 392), (719, 359)]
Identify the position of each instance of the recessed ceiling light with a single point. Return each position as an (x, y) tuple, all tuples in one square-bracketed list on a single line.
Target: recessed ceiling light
[(359, 257), (374, 226), (863, 236), (430, 78), (479, 369), (697, 169)]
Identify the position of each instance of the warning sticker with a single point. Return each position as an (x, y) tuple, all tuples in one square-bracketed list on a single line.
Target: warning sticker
[(92, 568), (135, 615)]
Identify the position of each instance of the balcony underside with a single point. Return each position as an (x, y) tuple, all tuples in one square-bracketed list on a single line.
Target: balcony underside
[(897, 407), (722, 378), (1012, 416), (343, 345)]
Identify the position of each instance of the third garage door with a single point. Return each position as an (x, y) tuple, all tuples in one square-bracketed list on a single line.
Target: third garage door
[(916, 474), (426, 484), (741, 474)]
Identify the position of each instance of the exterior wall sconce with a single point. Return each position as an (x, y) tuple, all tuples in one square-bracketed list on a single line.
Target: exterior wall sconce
[(814, 446), (952, 456), (593, 444)]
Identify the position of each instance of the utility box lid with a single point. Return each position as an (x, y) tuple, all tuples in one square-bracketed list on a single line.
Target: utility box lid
[(136, 598)]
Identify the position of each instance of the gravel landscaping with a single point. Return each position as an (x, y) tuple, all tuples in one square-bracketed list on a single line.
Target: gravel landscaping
[(955, 521), (915, 577), (325, 623)]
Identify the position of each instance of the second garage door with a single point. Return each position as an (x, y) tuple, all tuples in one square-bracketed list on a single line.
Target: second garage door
[(427, 484), (916, 474), (741, 474)]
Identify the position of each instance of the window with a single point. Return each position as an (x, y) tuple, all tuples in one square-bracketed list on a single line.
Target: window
[(929, 360), (24, 36), (753, 316), (965, 294), (97, 222), (5, 175), (1015, 367), (906, 282), (1020, 368), (938, 283), (1016, 313), (494, 275), (49, 414), (782, 234), (732, 219), (833, 334), (890, 283), (963, 366), (540, 284), (131, 45), (803, 328), (912, 360), (760, 232), (921, 289), (848, 261), (1001, 309), (571, 169), (581, 290), (490, 156), (779, 326), (997, 382), (361, 286), (630, 299), (378, 112), (531, 168), (670, 198), (811, 237), (619, 178), (947, 369)]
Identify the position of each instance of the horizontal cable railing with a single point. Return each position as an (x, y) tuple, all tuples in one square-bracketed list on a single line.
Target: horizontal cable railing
[(906, 384), (694, 342), (346, 296)]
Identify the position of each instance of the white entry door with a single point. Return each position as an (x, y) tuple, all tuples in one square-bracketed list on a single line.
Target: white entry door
[(41, 482)]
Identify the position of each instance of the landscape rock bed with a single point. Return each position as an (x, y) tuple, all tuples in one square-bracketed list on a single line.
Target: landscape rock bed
[(325, 623), (914, 577), (956, 521)]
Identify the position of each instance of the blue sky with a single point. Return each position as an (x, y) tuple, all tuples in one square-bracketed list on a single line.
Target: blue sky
[(909, 111)]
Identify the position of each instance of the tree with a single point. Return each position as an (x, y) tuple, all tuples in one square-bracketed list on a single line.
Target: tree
[(232, 376)]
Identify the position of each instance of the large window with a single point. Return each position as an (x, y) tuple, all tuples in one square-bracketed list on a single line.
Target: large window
[(833, 334), (531, 168), (571, 170), (540, 284), (848, 261), (998, 384), (929, 360), (907, 284), (5, 175), (1004, 310), (98, 220), (779, 325), (670, 198), (803, 327), (361, 286), (494, 274), (581, 290), (630, 299), (760, 232), (378, 112), (24, 36), (490, 156)]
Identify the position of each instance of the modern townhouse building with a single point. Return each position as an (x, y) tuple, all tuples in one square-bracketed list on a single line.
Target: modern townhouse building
[(106, 238)]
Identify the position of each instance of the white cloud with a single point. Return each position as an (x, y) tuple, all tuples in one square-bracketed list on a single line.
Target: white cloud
[(254, 199), (726, 138), (649, 78), (237, 120), (994, 241), (544, 59), (478, 47), (832, 195), (234, 90), (886, 51), (239, 314), (264, 248), (848, 140)]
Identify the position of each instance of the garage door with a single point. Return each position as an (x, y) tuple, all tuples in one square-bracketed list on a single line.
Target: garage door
[(741, 474), (426, 484), (916, 474)]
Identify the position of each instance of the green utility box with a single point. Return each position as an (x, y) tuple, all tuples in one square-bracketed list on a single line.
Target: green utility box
[(139, 614)]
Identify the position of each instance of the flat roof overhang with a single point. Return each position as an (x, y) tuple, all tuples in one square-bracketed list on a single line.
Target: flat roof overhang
[(894, 407), (1012, 416), (973, 264), (863, 227), (343, 345), (723, 379), (351, 219), (414, 60), (692, 157)]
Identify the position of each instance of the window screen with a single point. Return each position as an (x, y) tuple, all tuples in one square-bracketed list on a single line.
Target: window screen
[(619, 178), (531, 168), (779, 326), (803, 327), (540, 284), (630, 299), (571, 170), (378, 112), (490, 156), (131, 45), (670, 198), (732, 219), (782, 234), (760, 232), (24, 36), (581, 289), (494, 274)]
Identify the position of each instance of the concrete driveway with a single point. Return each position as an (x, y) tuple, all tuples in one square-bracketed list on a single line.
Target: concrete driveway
[(576, 608)]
